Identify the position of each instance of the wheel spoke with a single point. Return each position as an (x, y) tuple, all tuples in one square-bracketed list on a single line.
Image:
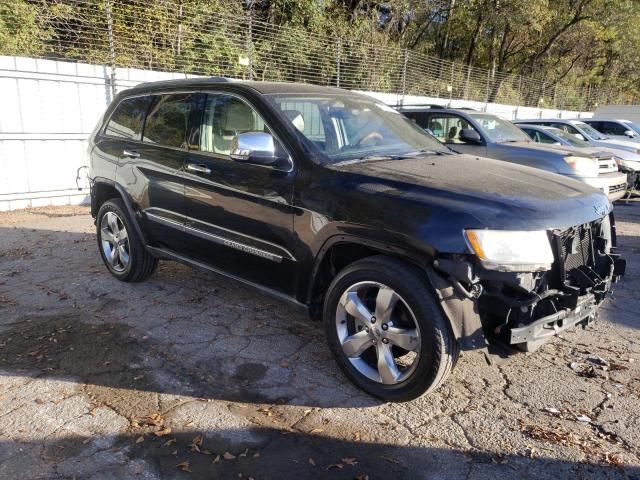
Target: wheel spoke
[(113, 223), (123, 255), (356, 344), (113, 258), (386, 301), (354, 307), (123, 235), (403, 337), (387, 367), (107, 236)]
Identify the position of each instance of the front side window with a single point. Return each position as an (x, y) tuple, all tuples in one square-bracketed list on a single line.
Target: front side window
[(348, 127), (126, 120), (612, 128), (498, 129), (447, 128), (168, 120), (226, 116), (565, 127), (589, 131)]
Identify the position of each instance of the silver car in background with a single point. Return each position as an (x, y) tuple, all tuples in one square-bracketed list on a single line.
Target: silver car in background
[(487, 135), (627, 151)]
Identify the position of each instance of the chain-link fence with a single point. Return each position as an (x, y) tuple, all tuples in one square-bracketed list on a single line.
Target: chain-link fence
[(181, 36)]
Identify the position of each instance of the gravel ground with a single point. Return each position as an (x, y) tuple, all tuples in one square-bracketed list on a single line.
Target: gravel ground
[(190, 375)]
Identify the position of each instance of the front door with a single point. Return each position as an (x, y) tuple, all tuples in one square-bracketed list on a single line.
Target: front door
[(239, 216), (447, 127)]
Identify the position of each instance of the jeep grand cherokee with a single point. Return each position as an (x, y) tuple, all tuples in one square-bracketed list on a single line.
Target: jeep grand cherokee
[(342, 206)]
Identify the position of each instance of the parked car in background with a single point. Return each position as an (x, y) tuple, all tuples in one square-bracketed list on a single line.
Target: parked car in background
[(628, 153), (487, 135), (336, 203), (608, 157), (614, 128)]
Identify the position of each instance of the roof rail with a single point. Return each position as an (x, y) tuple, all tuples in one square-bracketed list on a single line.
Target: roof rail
[(423, 105)]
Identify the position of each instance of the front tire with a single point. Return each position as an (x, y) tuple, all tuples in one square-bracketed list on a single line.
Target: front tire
[(386, 329), (121, 249)]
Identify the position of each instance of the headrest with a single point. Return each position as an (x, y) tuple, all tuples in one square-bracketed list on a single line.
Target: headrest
[(236, 116), (296, 118)]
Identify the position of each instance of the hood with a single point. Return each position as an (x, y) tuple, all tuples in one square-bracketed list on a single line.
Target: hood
[(562, 150), (463, 191), (626, 144)]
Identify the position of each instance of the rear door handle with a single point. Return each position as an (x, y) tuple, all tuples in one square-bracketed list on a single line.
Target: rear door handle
[(131, 153), (196, 167)]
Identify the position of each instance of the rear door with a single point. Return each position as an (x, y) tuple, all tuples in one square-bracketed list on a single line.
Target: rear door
[(153, 171), (239, 215)]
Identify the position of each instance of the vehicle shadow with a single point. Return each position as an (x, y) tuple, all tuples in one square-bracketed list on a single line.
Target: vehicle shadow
[(265, 453), (182, 332)]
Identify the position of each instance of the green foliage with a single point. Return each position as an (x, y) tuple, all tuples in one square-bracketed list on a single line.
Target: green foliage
[(569, 53)]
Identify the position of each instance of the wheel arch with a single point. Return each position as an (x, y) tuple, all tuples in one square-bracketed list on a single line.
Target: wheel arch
[(341, 250), (102, 190)]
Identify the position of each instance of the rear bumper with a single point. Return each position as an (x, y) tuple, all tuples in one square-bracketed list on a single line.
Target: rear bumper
[(613, 185)]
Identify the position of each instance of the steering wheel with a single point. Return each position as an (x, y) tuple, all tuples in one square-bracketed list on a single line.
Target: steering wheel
[(373, 138)]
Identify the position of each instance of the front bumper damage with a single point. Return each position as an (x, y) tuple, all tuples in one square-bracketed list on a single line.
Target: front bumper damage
[(527, 309)]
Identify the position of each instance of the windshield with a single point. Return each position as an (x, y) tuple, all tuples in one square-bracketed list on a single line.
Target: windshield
[(498, 129), (570, 138), (589, 131), (633, 126), (348, 127)]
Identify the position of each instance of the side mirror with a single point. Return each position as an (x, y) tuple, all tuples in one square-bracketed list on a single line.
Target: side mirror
[(468, 135), (630, 133), (254, 147)]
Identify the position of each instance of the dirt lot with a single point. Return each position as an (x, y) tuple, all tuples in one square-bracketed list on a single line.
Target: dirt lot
[(189, 375)]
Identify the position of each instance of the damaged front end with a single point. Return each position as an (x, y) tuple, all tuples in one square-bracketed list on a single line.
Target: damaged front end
[(526, 308)]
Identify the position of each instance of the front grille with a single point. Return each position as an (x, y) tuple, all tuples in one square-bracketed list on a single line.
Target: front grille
[(617, 188), (607, 165)]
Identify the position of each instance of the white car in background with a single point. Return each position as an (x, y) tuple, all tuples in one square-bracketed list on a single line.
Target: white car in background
[(627, 151)]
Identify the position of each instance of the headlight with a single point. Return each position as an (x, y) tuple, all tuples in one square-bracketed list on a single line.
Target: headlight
[(584, 166), (511, 251)]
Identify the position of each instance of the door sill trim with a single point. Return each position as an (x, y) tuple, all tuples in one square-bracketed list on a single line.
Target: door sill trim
[(164, 253)]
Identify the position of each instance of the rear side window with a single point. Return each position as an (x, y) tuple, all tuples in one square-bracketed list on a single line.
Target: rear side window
[(126, 120), (168, 120)]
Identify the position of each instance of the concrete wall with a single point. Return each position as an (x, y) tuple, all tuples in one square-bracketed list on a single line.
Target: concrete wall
[(48, 109)]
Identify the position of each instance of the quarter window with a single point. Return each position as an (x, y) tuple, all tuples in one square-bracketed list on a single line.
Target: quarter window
[(127, 119), (611, 128), (225, 116), (168, 120)]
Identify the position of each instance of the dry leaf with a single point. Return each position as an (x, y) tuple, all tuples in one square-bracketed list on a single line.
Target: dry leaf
[(217, 459), (197, 440), (349, 461), (228, 456), (317, 430), (139, 377), (362, 477), (184, 466), (308, 410), (163, 432), (244, 454), (256, 455), (357, 437), (170, 442), (140, 439), (312, 461), (389, 459), (335, 465)]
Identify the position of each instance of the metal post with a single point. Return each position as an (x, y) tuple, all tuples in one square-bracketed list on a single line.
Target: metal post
[(486, 101), (112, 49), (338, 60), (250, 41), (453, 67), (404, 73)]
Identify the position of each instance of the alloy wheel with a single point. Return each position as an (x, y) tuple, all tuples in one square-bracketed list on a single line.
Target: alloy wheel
[(115, 241), (378, 332)]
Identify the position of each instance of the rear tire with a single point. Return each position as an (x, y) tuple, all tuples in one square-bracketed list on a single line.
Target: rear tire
[(409, 350), (121, 249)]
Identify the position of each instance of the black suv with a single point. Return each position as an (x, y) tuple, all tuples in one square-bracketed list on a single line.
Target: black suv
[(339, 204)]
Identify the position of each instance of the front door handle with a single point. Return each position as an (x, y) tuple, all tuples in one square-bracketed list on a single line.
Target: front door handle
[(196, 167), (131, 153)]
